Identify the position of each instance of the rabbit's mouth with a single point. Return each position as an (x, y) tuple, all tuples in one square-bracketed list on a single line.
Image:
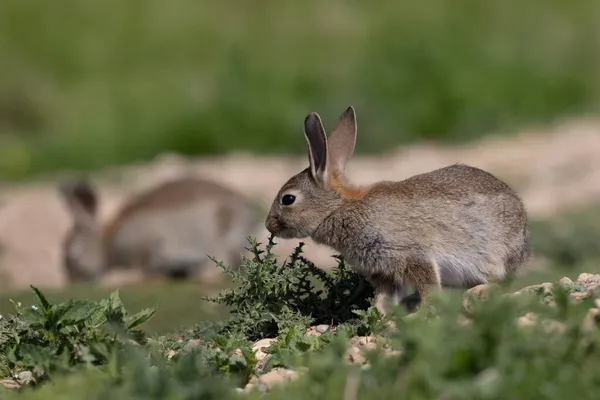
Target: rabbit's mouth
[(274, 226), (278, 228)]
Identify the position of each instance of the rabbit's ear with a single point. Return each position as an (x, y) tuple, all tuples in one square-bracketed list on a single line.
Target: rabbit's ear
[(341, 141), (81, 200), (317, 147)]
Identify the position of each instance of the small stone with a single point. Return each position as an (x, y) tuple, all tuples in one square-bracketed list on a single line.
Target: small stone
[(277, 376), (479, 292), (172, 353), (312, 331), (260, 348), (10, 383), (238, 352), (527, 319), (370, 346), (361, 340), (547, 286), (354, 355), (578, 297), (545, 289), (25, 377), (594, 290), (318, 330), (588, 278), (566, 282)]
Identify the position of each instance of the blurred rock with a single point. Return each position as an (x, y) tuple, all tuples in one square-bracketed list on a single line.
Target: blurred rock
[(528, 319), (479, 292), (318, 330), (10, 383), (566, 282), (578, 297), (588, 279), (276, 376), (261, 347), (354, 355), (25, 377)]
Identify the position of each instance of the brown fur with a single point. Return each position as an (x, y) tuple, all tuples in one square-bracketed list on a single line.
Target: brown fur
[(168, 230), (456, 226), (172, 194), (344, 189)]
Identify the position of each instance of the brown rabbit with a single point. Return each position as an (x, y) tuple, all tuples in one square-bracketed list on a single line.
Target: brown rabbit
[(456, 226), (167, 231)]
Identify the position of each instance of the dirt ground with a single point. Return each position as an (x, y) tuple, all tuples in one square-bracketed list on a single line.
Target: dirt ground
[(553, 169)]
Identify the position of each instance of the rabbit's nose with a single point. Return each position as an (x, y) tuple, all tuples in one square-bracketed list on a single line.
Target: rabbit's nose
[(271, 223)]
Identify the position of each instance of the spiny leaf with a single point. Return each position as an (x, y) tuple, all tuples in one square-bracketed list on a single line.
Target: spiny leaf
[(34, 355), (136, 320), (33, 317), (42, 299), (114, 300), (79, 311)]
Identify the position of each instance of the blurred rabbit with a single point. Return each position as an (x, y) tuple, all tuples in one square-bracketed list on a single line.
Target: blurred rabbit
[(456, 226), (165, 231)]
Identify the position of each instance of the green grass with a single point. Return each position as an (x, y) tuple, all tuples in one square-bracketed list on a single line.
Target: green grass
[(88, 84), (85, 349), (179, 304)]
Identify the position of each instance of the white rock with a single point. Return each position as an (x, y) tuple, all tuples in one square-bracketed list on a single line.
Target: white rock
[(260, 348)]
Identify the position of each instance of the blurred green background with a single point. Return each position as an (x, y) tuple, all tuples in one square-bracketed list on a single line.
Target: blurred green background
[(84, 84)]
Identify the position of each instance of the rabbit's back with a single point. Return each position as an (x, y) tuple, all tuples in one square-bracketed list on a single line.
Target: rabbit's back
[(176, 225), (471, 223)]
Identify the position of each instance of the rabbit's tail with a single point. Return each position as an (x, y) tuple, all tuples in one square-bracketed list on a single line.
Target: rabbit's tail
[(519, 253)]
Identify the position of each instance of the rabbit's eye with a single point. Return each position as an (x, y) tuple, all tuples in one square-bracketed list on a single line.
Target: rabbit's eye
[(288, 199)]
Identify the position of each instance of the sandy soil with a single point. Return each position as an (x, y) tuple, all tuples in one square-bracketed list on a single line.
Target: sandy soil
[(553, 169)]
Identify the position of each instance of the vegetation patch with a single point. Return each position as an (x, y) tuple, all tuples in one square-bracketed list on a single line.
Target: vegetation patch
[(297, 332)]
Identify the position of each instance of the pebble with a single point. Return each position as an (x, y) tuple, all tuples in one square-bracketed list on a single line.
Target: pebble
[(25, 377), (260, 348), (588, 278), (354, 355), (10, 383), (565, 282), (578, 297), (276, 377)]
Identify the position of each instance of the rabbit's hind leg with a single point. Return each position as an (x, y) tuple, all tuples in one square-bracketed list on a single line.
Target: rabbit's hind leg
[(424, 274), (387, 290)]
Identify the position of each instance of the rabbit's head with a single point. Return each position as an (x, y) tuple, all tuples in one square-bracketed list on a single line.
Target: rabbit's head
[(83, 252), (307, 198)]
